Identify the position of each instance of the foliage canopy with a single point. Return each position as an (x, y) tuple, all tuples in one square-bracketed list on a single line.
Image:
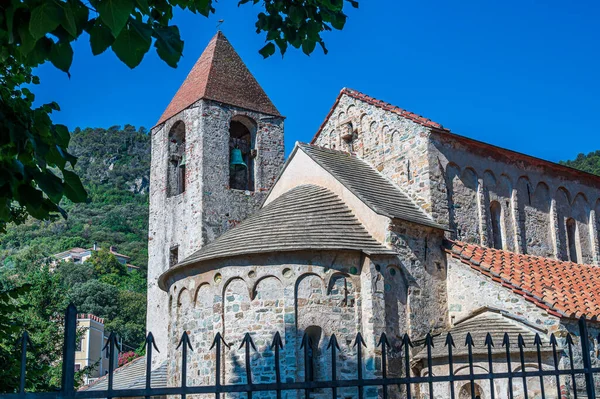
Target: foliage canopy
[(37, 170)]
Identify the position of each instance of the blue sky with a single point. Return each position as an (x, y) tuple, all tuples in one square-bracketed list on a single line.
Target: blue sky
[(518, 74)]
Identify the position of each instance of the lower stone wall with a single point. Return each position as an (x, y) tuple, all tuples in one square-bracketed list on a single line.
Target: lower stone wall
[(468, 291)]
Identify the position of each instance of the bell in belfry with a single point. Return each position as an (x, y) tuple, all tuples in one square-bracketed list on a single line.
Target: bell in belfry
[(182, 163), (236, 161)]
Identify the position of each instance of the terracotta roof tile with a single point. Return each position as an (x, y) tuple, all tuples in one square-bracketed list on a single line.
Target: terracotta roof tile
[(563, 289), (220, 75)]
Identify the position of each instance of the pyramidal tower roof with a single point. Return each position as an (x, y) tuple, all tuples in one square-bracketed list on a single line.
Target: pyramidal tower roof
[(220, 75)]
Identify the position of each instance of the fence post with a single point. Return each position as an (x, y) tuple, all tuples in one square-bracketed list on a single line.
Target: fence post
[(68, 366), (587, 360)]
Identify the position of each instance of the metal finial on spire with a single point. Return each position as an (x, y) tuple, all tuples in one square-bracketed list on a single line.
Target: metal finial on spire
[(220, 23)]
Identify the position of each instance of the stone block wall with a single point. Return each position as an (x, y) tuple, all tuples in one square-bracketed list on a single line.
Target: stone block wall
[(395, 146), (320, 293), (463, 282), (224, 207), (537, 199), (208, 207)]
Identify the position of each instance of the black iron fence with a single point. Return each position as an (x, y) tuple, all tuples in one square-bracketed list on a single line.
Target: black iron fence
[(580, 380)]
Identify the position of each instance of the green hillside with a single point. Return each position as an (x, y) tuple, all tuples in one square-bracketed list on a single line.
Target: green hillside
[(588, 163), (114, 165)]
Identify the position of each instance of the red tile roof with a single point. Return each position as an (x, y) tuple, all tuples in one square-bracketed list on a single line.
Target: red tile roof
[(563, 289), (381, 104), (220, 75)]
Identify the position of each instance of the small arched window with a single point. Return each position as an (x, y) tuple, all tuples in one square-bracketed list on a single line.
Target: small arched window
[(176, 161), (572, 240), (241, 153), (496, 216)]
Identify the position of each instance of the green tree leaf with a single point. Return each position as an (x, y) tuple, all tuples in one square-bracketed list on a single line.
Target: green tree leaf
[(61, 56), (268, 50), (73, 188), (68, 21), (115, 13), (169, 45), (100, 38), (132, 44), (45, 18)]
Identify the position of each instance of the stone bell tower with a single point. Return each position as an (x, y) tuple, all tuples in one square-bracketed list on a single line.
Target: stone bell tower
[(216, 151)]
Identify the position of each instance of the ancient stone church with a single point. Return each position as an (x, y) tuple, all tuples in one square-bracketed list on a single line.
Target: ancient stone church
[(385, 222)]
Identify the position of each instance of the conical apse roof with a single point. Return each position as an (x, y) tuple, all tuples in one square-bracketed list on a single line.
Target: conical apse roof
[(220, 75)]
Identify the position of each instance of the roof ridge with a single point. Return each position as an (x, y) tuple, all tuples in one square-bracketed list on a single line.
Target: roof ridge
[(377, 209)]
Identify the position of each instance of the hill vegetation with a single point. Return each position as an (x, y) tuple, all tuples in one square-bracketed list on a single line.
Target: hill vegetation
[(114, 166), (587, 162)]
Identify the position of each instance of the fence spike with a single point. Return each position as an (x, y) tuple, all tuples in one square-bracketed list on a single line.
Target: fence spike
[(506, 344), (248, 343), (276, 346), (277, 342), (359, 343), (185, 341), (333, 342), (489, 343), (307, 345), (359, 340), (184, 344), (111, 345), (554, 344), (450, 345), (537, 341), (150, 341), (429, 345), (449, 341), (407, 345), (68, 366), (470, 344), (24, 341), (217, 341), (149, 344), (521, 343), (333, 345), (384, 343), (469, 340)]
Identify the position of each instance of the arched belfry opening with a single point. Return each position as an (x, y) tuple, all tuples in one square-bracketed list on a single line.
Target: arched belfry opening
[(242, 137), (176, 160)]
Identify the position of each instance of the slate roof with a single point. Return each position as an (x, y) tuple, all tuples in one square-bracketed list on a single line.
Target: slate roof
[(563, 289), (220, 75), (131, 376), (481, 323), (377, 192), (306, 217)]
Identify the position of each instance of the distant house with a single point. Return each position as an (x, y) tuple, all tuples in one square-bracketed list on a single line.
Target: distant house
[(81, 255), (89, 351)]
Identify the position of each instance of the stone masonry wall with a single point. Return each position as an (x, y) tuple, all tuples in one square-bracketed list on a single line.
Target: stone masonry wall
[(319, 293), (207, 207), (463, 282), (224, 207), (174, 221), (423, 263), (535, 203), (395, 146)]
